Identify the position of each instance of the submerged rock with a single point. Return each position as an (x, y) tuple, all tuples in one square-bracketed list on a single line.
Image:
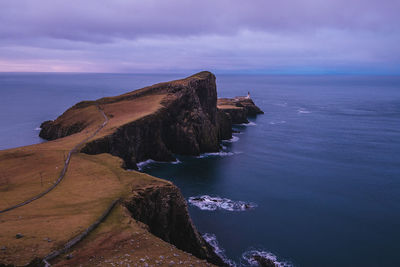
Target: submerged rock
[(263, 261)]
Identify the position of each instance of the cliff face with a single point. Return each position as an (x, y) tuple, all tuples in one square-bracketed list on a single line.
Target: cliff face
[(164, 210), (51, 130), (187, 125), (187, 121)]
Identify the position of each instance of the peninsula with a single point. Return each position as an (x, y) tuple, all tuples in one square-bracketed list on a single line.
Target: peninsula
[(77, 199)]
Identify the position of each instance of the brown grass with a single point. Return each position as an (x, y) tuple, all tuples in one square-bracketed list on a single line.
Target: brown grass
[(227, 103), (92, 182), (122, 240)]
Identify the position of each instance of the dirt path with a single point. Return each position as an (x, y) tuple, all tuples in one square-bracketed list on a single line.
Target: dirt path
[(65, 168)]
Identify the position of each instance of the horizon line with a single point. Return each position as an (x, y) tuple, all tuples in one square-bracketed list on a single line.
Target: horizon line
[(255, 73)]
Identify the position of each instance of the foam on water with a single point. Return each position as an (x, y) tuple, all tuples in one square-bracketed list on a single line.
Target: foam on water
[(232, 140), (142, 164), (248, 124), (218, 154), (212, 240), (250, 257), (277, 122), (210, 203), (303, 111), (38, 129), (177, 161)]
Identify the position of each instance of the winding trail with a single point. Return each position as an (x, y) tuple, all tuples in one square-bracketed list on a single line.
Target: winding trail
[(65, 168)]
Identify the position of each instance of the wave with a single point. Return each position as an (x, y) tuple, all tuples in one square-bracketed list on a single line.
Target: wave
[(177, 161), (303, 111), (38, 129), (232, 140), (248, 124), (142, 164), (257, 257), (212, 240), (209, 203), (277, 122), (217, 154)]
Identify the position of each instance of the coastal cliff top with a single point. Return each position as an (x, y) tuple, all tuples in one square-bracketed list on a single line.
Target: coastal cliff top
[(91, 183), (122, 109), (76, 188)]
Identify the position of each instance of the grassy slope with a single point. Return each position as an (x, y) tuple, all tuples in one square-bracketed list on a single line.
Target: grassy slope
[(227, 103), (92, 182)]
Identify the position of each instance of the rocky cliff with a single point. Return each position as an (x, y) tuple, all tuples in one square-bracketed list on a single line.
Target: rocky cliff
[(178, 117), (164, 210), (188, 123)]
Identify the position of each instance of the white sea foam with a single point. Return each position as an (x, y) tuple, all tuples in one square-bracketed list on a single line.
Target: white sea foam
[(250, 257), (303, 111), (249, 124), (217, 154), (207, 202), (245, 124), (38, 129), (177, 161), (142, 164), (277, 122), (212, 240), (233, 139)]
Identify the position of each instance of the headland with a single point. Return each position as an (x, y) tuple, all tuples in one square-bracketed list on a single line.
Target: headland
[(76, 200)]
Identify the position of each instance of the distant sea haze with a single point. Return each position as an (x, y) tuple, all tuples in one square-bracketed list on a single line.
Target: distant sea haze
[(315, 181)]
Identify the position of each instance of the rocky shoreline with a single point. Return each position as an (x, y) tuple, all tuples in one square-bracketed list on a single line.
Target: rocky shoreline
[(187, 120)]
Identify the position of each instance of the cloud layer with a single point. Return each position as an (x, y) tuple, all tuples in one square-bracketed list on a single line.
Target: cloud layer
[(297, 36)]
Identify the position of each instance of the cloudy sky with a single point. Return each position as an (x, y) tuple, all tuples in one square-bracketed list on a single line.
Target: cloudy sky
[(225, 36)]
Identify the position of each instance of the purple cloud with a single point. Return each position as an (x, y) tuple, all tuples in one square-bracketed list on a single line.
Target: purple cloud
[(170, 36)]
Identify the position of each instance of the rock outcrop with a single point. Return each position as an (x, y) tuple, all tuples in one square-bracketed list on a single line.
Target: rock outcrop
[(239, 108), (51, 130), (164, 210)]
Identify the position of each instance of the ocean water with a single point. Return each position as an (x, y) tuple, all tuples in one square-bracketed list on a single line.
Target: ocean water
[(315, 181)]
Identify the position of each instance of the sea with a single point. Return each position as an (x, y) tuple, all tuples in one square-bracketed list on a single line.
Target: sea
[(315, 181)]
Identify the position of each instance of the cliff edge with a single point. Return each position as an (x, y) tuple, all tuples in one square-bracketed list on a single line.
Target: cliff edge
[(179, 117), (156, 122)]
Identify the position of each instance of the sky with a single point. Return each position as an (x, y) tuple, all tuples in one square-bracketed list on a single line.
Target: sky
[(224, 36)]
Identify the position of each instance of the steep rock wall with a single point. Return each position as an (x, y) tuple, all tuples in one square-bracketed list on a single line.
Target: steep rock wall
[(188, 124), (164, 210), (51, 130)]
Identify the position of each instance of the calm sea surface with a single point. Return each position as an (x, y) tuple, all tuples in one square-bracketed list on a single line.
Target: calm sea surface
[(322, 165)]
